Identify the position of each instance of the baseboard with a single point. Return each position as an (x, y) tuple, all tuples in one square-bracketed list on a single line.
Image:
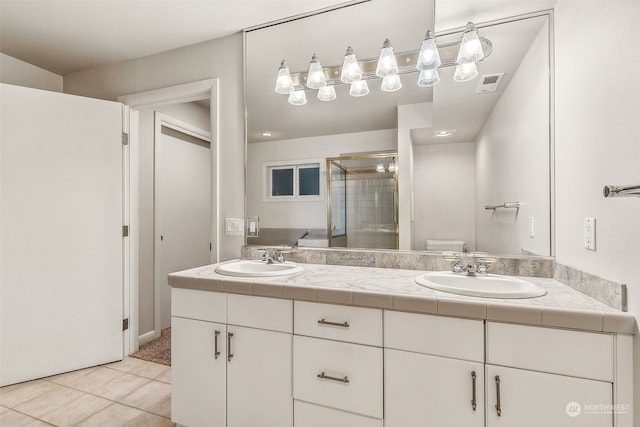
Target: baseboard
[(145, 338)]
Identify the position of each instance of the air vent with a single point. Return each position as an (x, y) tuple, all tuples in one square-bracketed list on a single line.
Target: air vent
[(489, 83)]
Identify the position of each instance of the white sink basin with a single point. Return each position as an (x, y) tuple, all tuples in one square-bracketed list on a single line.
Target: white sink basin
[(489, 286), (255, 268)]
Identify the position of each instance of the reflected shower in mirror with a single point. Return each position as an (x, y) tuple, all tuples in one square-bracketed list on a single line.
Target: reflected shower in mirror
[(459, 145)]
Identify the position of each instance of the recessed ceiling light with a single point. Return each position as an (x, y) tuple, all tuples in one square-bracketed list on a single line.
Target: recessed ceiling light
[(266, 133), (443, 133)]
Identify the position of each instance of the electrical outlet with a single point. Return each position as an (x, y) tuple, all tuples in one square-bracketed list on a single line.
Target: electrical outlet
[(590, 233), (532, 233)]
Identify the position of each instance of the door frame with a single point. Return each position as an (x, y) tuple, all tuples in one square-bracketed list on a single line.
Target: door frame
[(160, 120), (188, 92)]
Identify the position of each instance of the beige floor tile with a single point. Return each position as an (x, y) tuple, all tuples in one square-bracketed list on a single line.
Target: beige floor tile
[(120, 386), (95, 379), (153, 397), (13, 395), (165, 377), (68, 377), (149, 420), (12, 418), (3, 409), (76, 410), (139, 367), (49, 401), (113, 415)]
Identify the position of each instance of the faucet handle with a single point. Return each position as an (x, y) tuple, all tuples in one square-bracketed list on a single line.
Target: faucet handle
[(457, 265), (484, 264)]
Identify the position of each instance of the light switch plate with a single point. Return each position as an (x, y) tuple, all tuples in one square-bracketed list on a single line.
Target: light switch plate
[(532, 233), (590, 233), (234, 226)]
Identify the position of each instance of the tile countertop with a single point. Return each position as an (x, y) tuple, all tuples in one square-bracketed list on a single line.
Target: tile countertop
[(396, 289)]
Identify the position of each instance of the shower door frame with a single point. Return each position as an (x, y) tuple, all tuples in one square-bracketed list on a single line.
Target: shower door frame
[(363, 156)]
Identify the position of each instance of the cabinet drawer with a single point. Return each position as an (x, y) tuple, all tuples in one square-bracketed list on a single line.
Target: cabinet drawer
[(352, 375), (199, 305), (338, 322), (436, 335), (309, 415), (259, 312), (580, 354)]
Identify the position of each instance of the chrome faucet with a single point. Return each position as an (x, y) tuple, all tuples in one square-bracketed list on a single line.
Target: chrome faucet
[(480, 266), (269, 257)]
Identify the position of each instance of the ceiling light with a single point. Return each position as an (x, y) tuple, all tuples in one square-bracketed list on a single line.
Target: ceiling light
[(327, 93), (428, 78), (297, 97), (470, 46), (380, 168), (443, 133), (387, 63), (266, 134), (391, 83), (429, 57), (465, 72), (359, 88), (284, 83), (316, 78), (350, 68)]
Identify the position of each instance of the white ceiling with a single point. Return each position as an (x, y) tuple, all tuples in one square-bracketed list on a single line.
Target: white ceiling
[(64, 36)]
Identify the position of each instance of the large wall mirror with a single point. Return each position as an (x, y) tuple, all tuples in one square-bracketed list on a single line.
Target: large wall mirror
[(465, 166)]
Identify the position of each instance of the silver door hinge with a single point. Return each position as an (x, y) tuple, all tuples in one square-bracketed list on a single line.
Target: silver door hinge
[(125, 324), (125, 138), (125, 231)]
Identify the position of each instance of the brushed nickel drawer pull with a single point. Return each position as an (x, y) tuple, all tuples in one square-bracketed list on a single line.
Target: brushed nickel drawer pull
[(216, 353), (326, 322), (473, 386), (229, 354), (345, 379), (498, 409)]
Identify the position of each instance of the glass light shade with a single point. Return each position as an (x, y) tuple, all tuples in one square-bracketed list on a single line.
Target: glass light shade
[(380, 168), (392, 167), (284, 83), (387, 64), (391, 83), (327, 93), (315, 77), (350, 68), (465, 72), (428, 78), (297, 97), (470, 46), (359, 88), (429, 57)]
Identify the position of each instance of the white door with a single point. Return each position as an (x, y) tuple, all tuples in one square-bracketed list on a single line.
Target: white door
[(259, 378), (61, 279), (533, 399), (198, 389), (429, 390), (184, 191)]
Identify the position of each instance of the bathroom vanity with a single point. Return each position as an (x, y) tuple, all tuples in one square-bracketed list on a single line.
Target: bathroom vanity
[(361, 346)]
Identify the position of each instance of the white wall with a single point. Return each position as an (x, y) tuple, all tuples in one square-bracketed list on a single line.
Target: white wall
[(304, 214), (221, 58), (445, 194), (512, 161), (16, 72), (196, 115), (598, 142)]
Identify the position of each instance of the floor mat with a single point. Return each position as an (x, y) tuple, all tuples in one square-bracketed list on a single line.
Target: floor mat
[(158, 350)]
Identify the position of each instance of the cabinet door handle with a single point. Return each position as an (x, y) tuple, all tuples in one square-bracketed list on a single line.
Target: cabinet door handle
[(216, 353), (344, 379), (229, 354), (498, 408), (326, 322), (473, 390)]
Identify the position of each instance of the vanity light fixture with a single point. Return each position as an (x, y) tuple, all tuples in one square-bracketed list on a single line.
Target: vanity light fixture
[(463, 55), (392, 167), (380, 168)]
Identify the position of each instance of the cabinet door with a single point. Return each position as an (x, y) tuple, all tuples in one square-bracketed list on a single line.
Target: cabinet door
[(534, 399), (259, 378), (422, 390), (198, 375)]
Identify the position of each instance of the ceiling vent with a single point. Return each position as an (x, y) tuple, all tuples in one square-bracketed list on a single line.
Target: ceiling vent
[(489, 83)]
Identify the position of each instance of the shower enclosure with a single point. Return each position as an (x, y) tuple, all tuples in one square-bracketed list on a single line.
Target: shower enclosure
[(362, 201)]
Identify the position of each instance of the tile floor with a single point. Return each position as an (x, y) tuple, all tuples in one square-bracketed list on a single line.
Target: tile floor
[(129, 393)]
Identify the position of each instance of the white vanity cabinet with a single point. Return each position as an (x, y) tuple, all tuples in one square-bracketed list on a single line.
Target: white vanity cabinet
[(434, 371), (247, 381), (539, 376)]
